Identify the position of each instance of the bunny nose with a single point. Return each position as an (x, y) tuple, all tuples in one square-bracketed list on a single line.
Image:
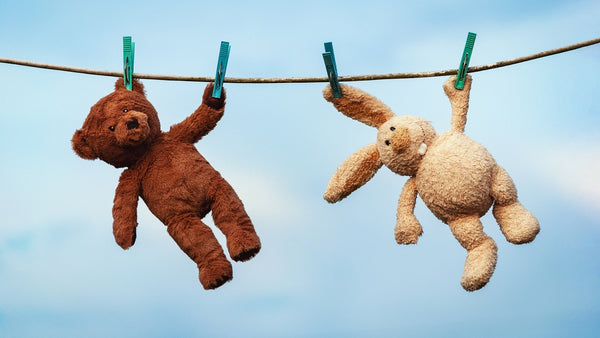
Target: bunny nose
[(400, 139)]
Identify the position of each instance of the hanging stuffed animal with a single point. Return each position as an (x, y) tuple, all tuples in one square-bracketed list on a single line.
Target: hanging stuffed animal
[(456, 177), (177, 184)]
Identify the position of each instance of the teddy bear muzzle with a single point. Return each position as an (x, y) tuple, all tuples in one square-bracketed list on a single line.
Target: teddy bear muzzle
[(132, 129)]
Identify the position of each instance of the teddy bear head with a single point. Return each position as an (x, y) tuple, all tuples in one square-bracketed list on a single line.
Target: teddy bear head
[(119, 127), (402, 142)]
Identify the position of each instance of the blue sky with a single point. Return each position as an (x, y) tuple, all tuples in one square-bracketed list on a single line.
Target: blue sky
[(325, 270)]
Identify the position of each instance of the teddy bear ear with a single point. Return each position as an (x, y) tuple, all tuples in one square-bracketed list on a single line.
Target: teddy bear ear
[(81, 147), (137, 86)]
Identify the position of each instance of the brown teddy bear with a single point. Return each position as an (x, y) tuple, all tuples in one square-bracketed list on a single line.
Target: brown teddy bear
[(177, 184), (456, 177)]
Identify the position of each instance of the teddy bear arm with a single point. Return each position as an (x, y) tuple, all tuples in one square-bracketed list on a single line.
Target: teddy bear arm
[(197, 125), (359, 105), (203, 120), (125, 209), (408, 229)]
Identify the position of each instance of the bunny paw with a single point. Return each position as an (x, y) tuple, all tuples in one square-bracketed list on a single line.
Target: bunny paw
[(408, 232)]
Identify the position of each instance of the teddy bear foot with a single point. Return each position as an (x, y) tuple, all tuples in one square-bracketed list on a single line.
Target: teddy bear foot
[(479, 265), (243, 245), (215, 274), (518, 225)]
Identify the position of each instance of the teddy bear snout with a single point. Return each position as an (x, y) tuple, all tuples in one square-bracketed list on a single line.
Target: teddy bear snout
[(133, 129), (132, 124)]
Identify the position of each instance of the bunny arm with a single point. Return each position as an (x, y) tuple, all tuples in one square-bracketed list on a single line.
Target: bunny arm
[(203, 120), (459, 100), (359, 105), (408, 229), (125, 208), (353, 173)]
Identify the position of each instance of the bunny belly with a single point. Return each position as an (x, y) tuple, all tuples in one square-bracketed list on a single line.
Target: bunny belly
[(455, 177), (178, 181)]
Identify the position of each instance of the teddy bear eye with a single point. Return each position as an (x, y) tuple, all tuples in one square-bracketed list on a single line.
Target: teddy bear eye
[(111, 128), (392, 128), (125, 110), (387, 142)]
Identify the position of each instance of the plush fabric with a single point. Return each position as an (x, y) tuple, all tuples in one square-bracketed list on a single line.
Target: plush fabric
[(456, 177), (177, 184)]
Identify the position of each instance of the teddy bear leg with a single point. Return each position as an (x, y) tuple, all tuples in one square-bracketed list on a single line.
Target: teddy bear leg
[(230, 217), (517, 224), (481, 251), (197, 240)]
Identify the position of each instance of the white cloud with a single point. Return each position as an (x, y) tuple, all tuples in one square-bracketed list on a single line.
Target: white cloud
[(265, 195), (572, 168)]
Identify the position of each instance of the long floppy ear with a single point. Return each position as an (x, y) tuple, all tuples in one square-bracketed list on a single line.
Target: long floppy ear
[(353, 173), (360, 106), (137, 86), (81, 147)]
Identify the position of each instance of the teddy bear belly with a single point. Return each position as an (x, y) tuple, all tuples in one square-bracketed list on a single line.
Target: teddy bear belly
[(179, 183), (455, 177)]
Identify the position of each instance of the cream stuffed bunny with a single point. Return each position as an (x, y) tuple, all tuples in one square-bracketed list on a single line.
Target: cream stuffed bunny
[(456, 177)]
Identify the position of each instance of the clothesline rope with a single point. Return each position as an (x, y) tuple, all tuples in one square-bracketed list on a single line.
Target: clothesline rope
[(306, 79)]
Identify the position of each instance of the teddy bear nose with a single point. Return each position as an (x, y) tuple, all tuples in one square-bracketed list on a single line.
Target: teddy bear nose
[(132, 124)]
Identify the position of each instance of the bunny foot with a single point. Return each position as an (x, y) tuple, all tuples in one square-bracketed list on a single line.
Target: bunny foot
[(479, 265), (518, 225)]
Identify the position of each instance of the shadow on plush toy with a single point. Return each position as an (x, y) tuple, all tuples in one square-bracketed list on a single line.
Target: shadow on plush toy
[(177, 184), (456, 177)]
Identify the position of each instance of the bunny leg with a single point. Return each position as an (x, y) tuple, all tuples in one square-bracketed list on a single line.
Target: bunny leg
[(230, 217), (517, 224), (481, 251), (197, 240)]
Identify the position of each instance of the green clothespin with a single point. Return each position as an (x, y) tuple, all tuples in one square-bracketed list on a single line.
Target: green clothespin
[(464, 62), (128, 53), (329, 59), (221, 68)]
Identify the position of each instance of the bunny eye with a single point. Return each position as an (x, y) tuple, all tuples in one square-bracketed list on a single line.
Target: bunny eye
[(111, 128), (392, 128), (125, 110), (387, 142)]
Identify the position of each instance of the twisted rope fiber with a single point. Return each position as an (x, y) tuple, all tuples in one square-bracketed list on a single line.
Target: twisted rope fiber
[(306, 79)]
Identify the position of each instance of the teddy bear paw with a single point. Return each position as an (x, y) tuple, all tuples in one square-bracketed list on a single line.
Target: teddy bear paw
[(243, 245), (125, 236), (215, 274)]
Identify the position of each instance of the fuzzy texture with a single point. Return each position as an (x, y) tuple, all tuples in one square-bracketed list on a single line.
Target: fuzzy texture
[(456, 177), (177, 184)]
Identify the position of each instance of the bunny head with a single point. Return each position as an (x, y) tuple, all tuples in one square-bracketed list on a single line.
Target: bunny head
[(402, 142)]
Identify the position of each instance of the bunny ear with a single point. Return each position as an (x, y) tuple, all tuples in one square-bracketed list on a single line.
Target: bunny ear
[(360, 106), (353, 173)]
